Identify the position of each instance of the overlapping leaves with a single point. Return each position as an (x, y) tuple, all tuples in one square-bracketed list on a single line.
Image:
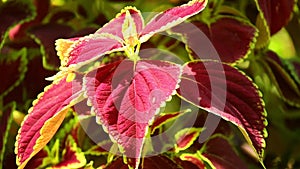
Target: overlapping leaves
[(126, 94)]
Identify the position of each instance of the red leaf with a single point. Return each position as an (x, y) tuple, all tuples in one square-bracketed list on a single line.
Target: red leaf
[(193, 159), (171, 17), (231, 37), (155, 162), (6, 117), (185, 138), (221, 154), (45, 35), (13, 13), (14, 64), (44, 118), (126, 96), (276, 12), (164, 118), (73, 157), (226, 92)]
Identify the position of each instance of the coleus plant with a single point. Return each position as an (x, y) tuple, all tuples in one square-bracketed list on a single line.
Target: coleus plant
[(126, 92)]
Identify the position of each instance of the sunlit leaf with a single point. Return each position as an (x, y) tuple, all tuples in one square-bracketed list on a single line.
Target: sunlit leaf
[(114, 27), (78, 52), (126, 97), (44, 118), (233, 97), (171, 17), (13, 13), (5, 121)]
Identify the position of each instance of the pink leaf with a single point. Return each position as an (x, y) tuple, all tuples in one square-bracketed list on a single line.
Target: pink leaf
[(229, 94), (171, 18), (126, 96), (80, 51), (114, 27), (44, 118)]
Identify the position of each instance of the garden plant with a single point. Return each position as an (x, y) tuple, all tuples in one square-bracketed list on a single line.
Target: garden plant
[(149, 84)]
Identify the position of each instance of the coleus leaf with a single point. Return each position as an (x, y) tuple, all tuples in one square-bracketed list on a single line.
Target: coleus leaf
[(100, 149), (45, 117), (126, 96), (163, 118), (194, 159), (13, 13), (45, 35), (39, 160), (222, 155), (286, 85), (232, 37), (155, 162), (80, 51), (170, 18), (126, 30), (6, 117), (277, 13), (72, 157), (185, 138), (15, 65), (237, 101)]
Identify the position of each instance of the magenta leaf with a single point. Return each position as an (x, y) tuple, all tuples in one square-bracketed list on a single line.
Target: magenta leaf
[(13, 13), (80, 51), (222, 155), (170, 18), (277, 13), (232, 96), (126, 97), (114, 27), (14, 63), (233, 38), (44, 118), (6, 117)]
